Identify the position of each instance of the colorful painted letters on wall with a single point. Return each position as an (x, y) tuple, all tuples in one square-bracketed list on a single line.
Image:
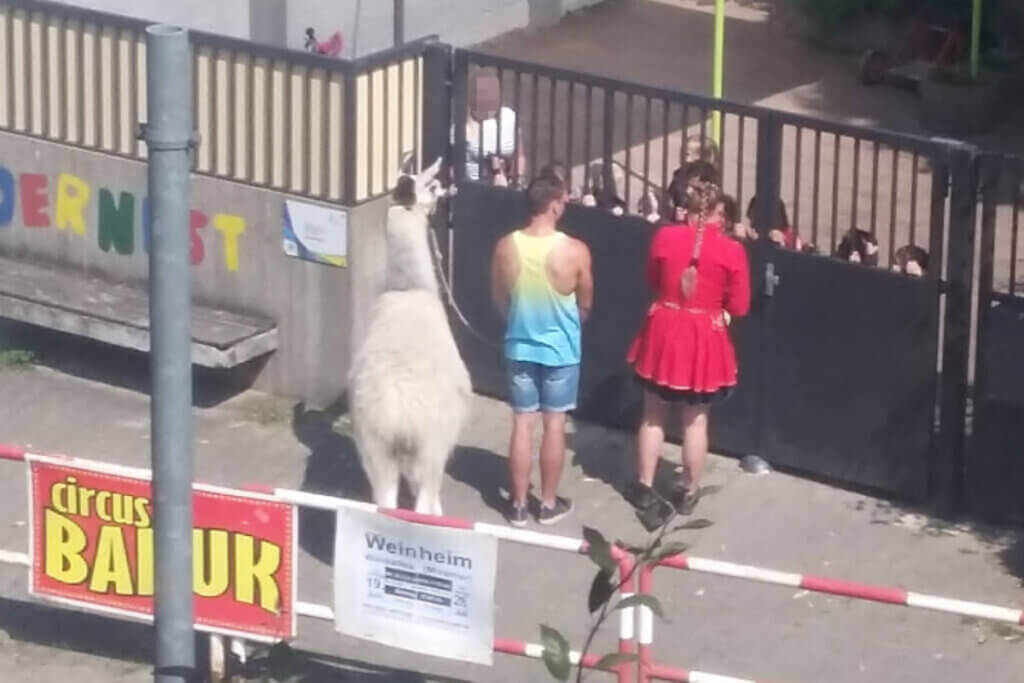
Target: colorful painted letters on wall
[(119, 223)]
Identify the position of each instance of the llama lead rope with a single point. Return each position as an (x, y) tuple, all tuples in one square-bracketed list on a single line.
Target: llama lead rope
[(449, 295)]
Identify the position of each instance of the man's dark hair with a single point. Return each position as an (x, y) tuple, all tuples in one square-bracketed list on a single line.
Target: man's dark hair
[(910, 252), (730, 208), (781, 220), (555, 169), (701, 171), (541, 192)]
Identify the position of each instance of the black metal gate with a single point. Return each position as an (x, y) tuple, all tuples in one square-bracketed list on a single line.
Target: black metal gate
[(838, 362), (994, 472)]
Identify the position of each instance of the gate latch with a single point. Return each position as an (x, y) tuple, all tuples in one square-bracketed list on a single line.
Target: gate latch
[(771, 280)]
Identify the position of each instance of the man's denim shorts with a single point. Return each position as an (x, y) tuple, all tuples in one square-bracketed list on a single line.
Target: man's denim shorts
[(533, 387)]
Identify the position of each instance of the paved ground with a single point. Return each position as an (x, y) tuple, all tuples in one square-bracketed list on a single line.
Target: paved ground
[(716, 624)]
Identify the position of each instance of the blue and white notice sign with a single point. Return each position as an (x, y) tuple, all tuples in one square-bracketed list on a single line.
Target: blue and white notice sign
[(316, 233), (419, 588)]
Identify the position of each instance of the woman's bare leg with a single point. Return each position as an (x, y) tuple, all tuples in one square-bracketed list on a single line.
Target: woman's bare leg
[(650, 437), (695, 444)]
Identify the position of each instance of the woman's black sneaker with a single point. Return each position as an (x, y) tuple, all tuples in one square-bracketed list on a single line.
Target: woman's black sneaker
[(550, 515), (640, 496), (686, 501)]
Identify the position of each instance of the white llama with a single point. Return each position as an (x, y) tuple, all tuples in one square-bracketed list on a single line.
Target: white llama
[(409, 390)]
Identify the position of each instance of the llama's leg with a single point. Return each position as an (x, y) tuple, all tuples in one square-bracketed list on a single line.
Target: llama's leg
[(430, 476), (381, 469)]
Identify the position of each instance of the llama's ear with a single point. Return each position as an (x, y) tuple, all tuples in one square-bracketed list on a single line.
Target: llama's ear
[(407, 164), (429, 174)]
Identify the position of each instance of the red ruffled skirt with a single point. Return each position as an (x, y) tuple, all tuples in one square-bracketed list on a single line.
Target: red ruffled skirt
[(684, 349)]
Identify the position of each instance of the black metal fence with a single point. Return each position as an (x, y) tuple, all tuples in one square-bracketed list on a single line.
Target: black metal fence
[(847, 372), (630, 138)]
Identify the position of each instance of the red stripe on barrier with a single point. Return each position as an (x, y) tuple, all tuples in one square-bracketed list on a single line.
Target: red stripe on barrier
[(675, 562), (657, 672), (9, 452), (894, 596), (510, 647), (259, 488), (419, 518)]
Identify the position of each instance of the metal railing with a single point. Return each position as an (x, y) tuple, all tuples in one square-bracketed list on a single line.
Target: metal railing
[(300, 123), (831, 176)]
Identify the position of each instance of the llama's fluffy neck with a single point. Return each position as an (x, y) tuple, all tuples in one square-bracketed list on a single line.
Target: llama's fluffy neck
[(410, 265)]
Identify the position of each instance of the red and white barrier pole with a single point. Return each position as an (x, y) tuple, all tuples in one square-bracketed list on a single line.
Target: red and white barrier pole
[(848, 589), (627, 620)]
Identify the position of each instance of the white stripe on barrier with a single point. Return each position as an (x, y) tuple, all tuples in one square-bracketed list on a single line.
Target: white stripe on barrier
[(313, 610), (626, 626), (536, 538), (740, 571), (645, 625), (321, 502), (534, 650), (8, 557), (701, 677), (974, 609)]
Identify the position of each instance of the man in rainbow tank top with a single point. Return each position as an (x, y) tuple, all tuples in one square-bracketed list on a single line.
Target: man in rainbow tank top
[(542, 285)]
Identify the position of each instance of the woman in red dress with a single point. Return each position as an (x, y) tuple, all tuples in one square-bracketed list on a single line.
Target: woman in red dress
[(683, 356)]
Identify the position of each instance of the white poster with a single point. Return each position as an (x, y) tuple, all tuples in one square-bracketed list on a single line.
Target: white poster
[(316, 233), (420, 588)]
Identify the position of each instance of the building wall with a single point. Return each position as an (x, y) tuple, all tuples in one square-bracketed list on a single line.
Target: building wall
[(365, 24), (226, 17), (238, 259)]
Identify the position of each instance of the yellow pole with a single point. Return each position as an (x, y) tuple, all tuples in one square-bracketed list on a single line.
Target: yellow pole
[(719, 67)]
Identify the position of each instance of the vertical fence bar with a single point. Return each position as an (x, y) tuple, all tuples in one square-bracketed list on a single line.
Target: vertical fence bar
[(386, 115), (552, 96), (835, 194), (796, 179), (169, 136), (608, 142), (624, 192), (914, 170), (874, 187), (937, 213), (350, 159), (739, 156), (1014, 228), (855, 190), (816, 192), (647, 147), (517, 141), (570, 135), (535, 125), (894, 188), (459, 116), (949, 475), (664, 146), (769, 173), (437, 105), (587, 130)]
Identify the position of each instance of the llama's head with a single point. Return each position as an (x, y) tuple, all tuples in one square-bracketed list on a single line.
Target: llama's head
[(410, 264), (418, 191)]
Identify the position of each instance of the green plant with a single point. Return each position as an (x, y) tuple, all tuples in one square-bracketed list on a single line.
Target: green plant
[(16, 359), (603, 588)]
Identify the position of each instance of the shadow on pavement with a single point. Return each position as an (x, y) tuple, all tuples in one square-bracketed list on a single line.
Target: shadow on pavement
[(332, 468), (282, 663), (483, 470), (75, 631)]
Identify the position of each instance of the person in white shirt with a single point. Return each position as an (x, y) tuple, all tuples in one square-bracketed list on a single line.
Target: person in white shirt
[(500, 161)]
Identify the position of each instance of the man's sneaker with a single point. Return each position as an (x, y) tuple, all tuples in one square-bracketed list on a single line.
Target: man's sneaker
[(517, 515), (550, 515)]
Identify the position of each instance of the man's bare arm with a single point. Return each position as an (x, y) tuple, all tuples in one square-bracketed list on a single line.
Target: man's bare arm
[(584, 280), (499, 289)]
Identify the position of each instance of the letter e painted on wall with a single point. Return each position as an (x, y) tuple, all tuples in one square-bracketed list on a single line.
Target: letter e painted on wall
[(34, 202)]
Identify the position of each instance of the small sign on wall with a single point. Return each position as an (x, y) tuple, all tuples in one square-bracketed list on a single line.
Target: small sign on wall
[(316, 233)]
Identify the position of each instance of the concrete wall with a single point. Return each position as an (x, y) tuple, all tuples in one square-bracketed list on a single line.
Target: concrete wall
[(226, 17), (365, 24), (238, 260)]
